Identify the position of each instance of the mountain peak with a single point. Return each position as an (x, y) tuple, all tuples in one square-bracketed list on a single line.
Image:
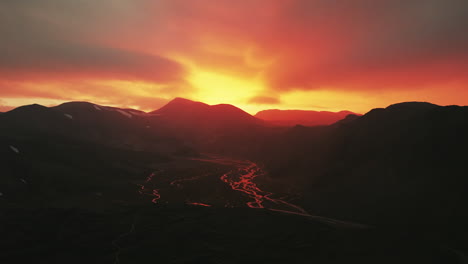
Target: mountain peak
[(30, 109), (181, 100), (77, 106), (184, 101), (404, 109), (414, 105), (398, 112), (181, 110), (179, 104)]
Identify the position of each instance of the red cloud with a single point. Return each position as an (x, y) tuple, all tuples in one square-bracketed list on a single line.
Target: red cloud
[(290, 45), (314, 44), (40, 61)]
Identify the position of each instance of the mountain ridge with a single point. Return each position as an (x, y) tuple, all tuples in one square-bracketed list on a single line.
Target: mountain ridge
[(396, 167), (188, 111), (302, 117)]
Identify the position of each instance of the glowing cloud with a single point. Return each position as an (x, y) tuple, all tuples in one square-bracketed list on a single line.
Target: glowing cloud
[(334, 55)]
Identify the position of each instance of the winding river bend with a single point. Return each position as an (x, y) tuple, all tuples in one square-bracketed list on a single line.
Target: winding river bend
[(241, 179), (239, 175)]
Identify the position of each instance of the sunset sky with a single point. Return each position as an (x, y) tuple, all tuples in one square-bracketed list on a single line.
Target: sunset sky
[(256, 54)]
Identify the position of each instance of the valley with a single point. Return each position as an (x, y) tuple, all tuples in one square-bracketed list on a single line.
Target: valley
[(229, 188)]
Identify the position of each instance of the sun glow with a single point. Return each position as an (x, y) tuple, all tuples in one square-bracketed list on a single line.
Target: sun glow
[(214, 88)]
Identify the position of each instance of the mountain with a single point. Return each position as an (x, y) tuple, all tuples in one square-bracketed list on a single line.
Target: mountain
[(175, 128), (389, 185), (187, 112), (301, 117), (86, 122), (220, 127), (403, 165), (74, 152)]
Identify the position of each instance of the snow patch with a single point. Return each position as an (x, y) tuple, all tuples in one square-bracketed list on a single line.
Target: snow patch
[(124, 113), (14, 149), (24, 181), (97, 107), (69, 116)]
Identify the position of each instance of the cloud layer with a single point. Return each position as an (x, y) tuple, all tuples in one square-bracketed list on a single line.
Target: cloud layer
[(360, 46)]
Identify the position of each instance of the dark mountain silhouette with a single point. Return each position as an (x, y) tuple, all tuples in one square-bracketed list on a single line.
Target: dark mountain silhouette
[(400, 169), (180, 105), (191, 113), (81, 121), (209, 127), (397, 166), (301, 117), (176, 127), (348, 119)]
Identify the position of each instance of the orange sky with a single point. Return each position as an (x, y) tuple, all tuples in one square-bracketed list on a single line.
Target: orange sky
[(286, 54)]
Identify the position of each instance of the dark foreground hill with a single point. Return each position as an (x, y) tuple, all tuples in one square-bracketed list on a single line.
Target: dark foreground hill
[(147, 234), (404, 165), (86, 122)]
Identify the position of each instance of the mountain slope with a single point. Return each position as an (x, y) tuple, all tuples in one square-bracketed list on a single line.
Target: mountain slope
[(183, 111), (86, 122), (400, 168), (175, 128), (301, 117), (210, 127), (403, 165)]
